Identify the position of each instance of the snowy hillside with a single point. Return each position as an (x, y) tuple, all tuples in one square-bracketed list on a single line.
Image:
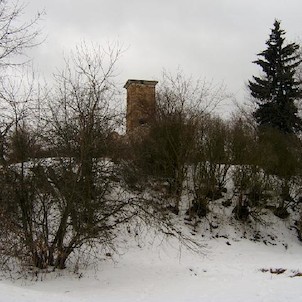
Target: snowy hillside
[(230, 268)]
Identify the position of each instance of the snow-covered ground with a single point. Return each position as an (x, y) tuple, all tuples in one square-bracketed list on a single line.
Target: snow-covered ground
[(231, 269)]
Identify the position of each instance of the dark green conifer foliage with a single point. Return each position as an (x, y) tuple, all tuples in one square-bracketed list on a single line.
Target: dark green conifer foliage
[(277, 89)]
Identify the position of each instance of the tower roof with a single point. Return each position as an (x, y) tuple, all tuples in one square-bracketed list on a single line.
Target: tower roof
[(140, 82)]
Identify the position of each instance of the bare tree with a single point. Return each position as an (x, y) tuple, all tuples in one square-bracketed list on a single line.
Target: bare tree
[(15, 35), (19, 98), (79, 181), (210, 164), (52, 207), (18, 147)]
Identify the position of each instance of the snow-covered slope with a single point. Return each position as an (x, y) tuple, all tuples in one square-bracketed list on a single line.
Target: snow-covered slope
[(231, 268)]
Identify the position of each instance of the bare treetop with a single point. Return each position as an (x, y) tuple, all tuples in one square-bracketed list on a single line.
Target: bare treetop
[(16, 35)]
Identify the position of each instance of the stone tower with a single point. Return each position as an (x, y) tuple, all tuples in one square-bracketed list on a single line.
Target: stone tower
[(141, 104)]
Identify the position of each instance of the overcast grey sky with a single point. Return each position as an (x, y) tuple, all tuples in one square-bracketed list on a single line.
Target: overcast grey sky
[(212, 39)]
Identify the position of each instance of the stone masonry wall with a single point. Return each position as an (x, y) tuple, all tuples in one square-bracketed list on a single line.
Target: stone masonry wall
[(141, 104)]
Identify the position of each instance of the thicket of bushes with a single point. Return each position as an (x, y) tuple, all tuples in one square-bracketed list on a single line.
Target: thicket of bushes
[(69, 182), (265, 168)]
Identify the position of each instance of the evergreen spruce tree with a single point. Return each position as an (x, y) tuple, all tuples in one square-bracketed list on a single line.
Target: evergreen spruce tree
[(277, 89)]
